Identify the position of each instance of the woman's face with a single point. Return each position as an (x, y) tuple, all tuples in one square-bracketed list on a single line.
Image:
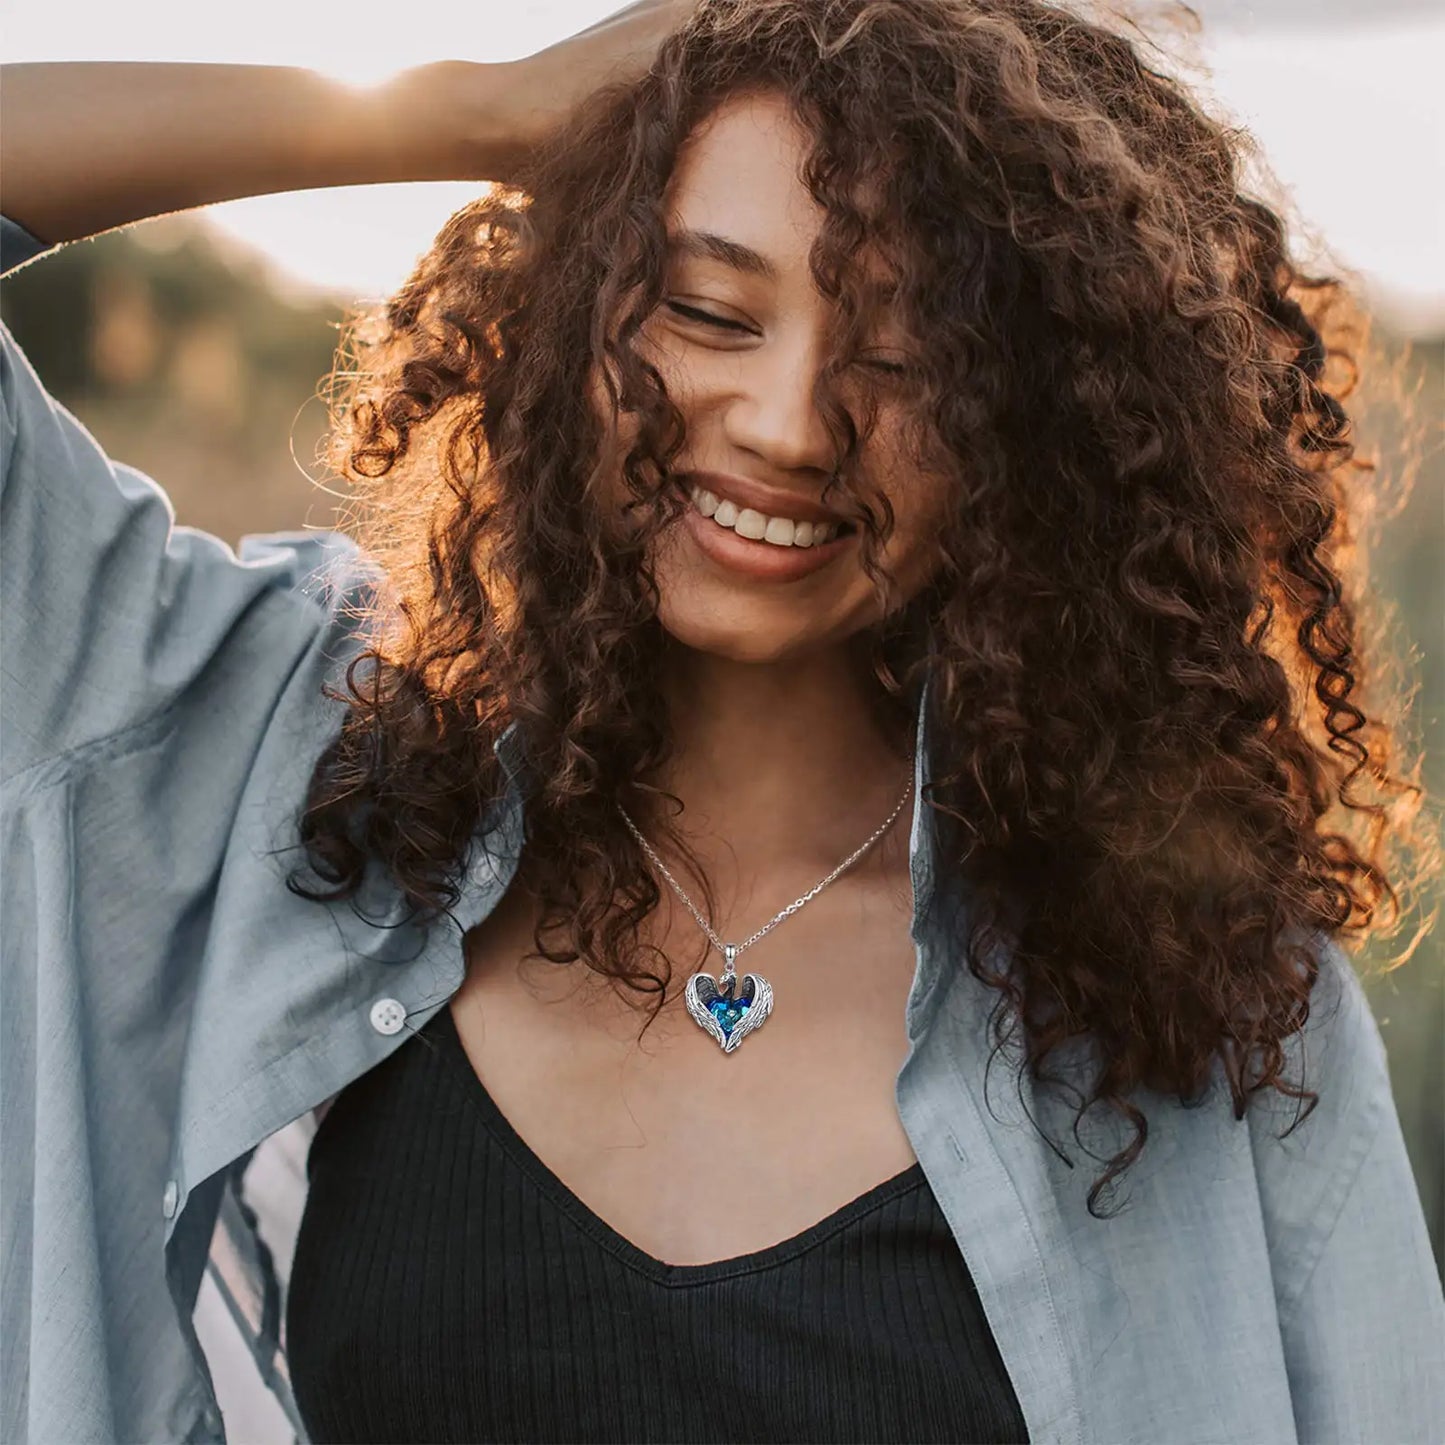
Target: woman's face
[(739, 341)]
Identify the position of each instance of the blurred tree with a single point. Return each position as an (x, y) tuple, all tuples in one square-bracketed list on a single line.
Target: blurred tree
[(185, 359)]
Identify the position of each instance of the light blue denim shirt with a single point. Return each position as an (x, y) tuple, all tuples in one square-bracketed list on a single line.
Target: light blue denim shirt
[(169, 1009)]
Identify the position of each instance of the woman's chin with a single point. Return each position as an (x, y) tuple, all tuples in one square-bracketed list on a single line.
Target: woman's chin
[(739, 634)]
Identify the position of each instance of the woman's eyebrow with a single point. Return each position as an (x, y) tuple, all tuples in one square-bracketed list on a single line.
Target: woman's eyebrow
[(709, 246)]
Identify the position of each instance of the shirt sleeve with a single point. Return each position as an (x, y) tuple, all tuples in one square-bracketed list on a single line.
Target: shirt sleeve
[(111, 611), (1362, 1312), (1365, 1342), (162, 703)]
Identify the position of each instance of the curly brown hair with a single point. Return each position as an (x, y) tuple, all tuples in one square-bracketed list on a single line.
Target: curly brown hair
[(1148, 738)]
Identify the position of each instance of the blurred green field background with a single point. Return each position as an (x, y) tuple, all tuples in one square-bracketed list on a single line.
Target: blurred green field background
[(189, 359)]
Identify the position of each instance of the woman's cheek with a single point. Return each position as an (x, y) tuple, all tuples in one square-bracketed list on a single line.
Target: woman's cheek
[(920, 514)]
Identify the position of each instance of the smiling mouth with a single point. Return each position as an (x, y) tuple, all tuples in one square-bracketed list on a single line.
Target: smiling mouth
[(780, 532)]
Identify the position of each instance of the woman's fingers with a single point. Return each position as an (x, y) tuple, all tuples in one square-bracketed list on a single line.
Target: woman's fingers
[(542, 89)]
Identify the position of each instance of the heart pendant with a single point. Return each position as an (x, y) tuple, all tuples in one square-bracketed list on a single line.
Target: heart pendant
[(729, 1013)]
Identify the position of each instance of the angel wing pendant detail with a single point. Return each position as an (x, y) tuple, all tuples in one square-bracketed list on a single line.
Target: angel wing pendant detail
[(725, 1011)]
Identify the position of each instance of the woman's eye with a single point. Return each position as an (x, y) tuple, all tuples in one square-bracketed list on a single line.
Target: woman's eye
[(706, 318), (886, 365)]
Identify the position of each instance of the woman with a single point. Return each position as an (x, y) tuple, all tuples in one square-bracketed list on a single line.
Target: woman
[(867, 454)]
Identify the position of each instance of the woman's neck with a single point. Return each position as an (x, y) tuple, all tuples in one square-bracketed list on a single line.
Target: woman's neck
[(783, 769)]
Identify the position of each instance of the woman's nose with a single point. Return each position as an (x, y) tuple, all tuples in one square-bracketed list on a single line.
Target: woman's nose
[(773, 414)]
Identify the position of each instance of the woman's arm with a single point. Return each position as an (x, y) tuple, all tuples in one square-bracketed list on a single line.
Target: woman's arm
[(88, 146)]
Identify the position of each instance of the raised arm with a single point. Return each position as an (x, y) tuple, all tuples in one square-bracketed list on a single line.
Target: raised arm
[(88, 146)]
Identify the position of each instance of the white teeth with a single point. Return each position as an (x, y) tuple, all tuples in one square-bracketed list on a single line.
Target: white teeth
[(779, 532), (750, 523)]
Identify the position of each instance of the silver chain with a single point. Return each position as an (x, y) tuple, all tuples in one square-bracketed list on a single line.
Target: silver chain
[(797, 903)]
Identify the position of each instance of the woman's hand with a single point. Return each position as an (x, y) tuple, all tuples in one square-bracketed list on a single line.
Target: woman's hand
[(513, 106)]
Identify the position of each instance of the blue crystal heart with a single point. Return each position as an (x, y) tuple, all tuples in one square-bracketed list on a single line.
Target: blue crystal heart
[(728, 1011)]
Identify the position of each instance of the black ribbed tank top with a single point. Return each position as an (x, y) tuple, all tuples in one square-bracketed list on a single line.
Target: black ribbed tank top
[(447, 1286)]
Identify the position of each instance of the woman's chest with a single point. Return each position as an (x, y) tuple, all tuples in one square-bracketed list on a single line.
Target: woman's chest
[(691, 1153)]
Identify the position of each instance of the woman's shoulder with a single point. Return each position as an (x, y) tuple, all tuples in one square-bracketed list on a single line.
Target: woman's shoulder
[(1337, 1191)]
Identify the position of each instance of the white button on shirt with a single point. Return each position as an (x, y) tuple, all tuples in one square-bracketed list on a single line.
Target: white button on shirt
[(170, 1198), (387, 1016)]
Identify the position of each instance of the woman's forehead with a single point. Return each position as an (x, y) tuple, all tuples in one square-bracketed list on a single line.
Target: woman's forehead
[(739, 175), (737, 199)]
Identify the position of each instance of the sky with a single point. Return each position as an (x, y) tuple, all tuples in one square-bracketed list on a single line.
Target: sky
[(1349, 113)]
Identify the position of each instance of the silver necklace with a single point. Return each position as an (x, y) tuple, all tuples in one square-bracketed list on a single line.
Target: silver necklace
[(714, 1006)]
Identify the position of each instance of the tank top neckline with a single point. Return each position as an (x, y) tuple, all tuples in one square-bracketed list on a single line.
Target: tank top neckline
[(443, 1027)]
